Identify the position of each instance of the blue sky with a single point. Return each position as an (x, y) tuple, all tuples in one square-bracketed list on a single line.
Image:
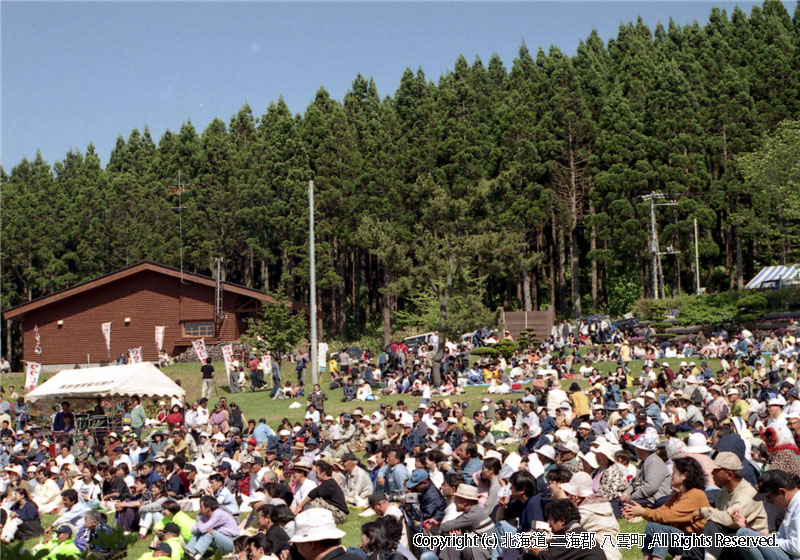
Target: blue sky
[(75, 73)]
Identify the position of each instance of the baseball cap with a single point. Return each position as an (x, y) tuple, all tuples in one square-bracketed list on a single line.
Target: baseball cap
[(418, 476), (728, 460)]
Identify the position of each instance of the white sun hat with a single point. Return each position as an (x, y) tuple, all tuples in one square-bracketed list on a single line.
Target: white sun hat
[(314, 525)]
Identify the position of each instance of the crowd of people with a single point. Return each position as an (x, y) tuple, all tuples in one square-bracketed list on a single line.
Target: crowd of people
[(699, 448)]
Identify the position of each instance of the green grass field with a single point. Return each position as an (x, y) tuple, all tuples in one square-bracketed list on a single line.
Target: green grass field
[(259, 405)]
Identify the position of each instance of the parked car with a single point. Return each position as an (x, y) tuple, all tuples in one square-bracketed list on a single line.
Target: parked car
[(414, 342)]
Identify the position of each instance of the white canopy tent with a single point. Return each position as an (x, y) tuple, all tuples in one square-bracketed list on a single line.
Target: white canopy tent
[(789, 273), (144, 380)]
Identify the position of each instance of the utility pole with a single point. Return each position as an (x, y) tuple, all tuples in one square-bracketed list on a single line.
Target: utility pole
[(658, 273), (313, 278), (654, 243), (696, 257)]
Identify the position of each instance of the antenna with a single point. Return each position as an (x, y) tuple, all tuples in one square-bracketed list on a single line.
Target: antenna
[(218, 294), (178, 189)]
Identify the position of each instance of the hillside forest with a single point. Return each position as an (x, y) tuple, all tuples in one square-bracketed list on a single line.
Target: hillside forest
[(492, 185)]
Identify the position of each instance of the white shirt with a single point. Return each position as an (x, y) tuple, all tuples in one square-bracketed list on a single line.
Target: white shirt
[(87, 492), (61, 460), (302, 491), (789, 531)]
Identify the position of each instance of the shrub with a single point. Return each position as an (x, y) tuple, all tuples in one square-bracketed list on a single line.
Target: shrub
[(664, 336), (489, 351), (506, 347), (754, 301)]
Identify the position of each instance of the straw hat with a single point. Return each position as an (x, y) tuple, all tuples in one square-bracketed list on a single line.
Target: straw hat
[(467, 492)]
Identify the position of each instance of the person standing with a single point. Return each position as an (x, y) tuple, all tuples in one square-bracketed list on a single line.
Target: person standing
[(138, 416), (276, 377), (207, 371)]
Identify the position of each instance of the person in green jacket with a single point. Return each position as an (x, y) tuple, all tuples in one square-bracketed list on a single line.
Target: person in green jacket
[(138, 416), (62, 546), (173, 514)]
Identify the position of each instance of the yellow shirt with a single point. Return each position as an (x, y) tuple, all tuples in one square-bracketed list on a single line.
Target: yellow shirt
[(580, 403)]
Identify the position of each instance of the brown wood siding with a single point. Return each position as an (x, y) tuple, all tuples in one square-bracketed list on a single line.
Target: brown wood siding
[(148, 298)]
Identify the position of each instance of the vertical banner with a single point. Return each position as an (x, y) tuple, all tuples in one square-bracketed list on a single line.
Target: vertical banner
[(322, 356), (227, 356), (159, 338), (38, 348), (266, 363), (200, 348), (32, 371), (107, 336), (135, 355)]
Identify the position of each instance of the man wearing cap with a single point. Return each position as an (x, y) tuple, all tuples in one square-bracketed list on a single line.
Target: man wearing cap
[(739, 408), (431, 501), (586, 437), (652, 409), (780, 489), (62, 546), (473, 519), (357, 483), (735, 495), (302, 484), (653, 481), (316, 537), (410, 439), (568, 457), (327, 495), (347, 429)]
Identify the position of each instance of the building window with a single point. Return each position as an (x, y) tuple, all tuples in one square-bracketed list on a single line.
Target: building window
[(198, 328)]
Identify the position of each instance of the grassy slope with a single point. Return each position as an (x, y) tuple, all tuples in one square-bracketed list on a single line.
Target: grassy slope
[(259, 405)]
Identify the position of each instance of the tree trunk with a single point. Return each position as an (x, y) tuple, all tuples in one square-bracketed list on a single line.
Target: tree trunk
[(575, 274), (739, 262), (552, 267), (729, 257), (386, 309), (592, 249), (287, 273), (526, 291), (562, 271)]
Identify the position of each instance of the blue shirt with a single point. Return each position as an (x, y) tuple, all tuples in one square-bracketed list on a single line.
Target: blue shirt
[(262, 433), (470, 469), (227, 501), (396, 478)]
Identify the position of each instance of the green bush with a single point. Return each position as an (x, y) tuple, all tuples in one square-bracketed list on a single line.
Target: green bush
[(754, 301), (489, 351), (506, 347), (664, 336)]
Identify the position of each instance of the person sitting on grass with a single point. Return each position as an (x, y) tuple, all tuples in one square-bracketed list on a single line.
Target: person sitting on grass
[(564, 517), (680, 513), (172, 513), (61, 547), (215, 529)]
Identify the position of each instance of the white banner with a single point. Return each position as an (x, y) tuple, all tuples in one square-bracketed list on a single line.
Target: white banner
[(136, 355), (107, 335), (200, 347), (227, 356), (32, 371), (159, 338), (266, 363)]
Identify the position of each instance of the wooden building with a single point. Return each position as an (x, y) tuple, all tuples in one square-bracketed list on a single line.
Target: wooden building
[(135, 300)]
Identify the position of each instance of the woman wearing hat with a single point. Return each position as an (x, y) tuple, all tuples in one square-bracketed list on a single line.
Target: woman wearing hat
[(610, 478), (597, 516)]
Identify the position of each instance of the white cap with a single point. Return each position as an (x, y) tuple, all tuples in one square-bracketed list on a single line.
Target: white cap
[(547, 450), (777, 401)]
